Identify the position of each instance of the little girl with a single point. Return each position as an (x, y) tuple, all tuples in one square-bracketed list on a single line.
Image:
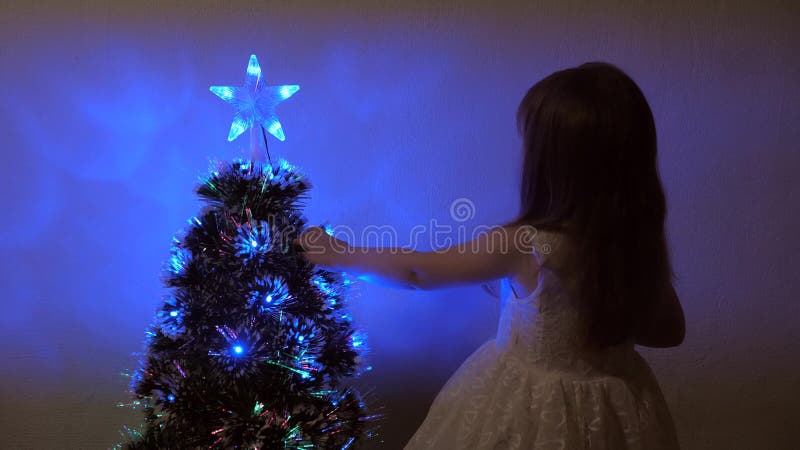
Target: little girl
[(562, 372)]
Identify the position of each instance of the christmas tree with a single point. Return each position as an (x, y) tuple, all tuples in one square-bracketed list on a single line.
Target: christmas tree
[(250, 347)]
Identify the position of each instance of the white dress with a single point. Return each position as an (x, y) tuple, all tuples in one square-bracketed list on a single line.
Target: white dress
[(530, 387)]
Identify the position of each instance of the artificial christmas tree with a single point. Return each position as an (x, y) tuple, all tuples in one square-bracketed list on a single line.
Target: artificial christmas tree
[(250, 348)]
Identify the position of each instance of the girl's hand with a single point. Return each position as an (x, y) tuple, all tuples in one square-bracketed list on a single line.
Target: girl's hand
[(320, 248)]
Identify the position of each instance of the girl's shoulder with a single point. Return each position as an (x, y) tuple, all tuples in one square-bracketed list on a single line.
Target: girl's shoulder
[(539, 241)]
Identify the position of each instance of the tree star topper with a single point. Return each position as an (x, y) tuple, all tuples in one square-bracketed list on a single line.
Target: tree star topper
[(254, 102)]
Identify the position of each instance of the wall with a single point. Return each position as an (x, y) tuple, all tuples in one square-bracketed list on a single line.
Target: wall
[(404, 106)]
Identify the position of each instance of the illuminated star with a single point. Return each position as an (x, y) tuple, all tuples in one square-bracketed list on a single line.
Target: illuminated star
[(254, 102)]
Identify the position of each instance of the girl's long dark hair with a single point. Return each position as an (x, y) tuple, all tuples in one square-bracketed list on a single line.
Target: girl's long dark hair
[(590, 169)]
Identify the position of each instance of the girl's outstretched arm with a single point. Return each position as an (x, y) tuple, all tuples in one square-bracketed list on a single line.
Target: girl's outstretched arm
[(498, 253)]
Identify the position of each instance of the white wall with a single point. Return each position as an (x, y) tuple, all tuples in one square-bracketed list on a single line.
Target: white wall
[(403, 107)]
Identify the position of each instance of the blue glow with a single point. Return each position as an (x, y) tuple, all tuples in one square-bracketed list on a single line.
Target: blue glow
[(323, 286), (224, 92), (253, 239), (169, 320), (346, 280), (358, 340), (287, 91), (274, 127), (238, 126), (254, 102), (238, 349), (286, 166), (171, 397), (253, 69), (270, 294), (300, 338), (179, 260)]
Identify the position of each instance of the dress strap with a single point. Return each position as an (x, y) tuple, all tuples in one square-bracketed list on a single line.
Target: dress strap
[(511, 286), (514, 291)]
